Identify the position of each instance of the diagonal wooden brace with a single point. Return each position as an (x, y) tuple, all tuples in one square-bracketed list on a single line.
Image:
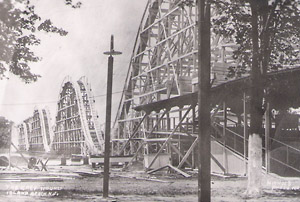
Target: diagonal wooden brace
[(218, 163), (141, 145), (184, 159), (133, 134), (44, 164), (170, 136), (179, 153)]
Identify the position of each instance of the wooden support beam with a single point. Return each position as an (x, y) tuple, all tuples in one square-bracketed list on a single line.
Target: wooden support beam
[(179, 171), (224, 135), (136, 153), (204, 101), (194, 119), (168, 121), (157, 169), (153, 128), (184, 159), (157, 122), (170, 136), (171, 167), (179, 153), (132, 135), (218, 163)]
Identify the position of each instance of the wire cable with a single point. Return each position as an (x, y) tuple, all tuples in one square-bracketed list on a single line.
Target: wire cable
[(51, 102)]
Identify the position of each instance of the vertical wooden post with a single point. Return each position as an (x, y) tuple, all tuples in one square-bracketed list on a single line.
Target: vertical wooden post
[(194, 159), (174, 123), (179, 137), (168, 121), (194, 119), (225, 163), (107, 127), (204, 143), (108, 116), (112, 147), (180, 115)]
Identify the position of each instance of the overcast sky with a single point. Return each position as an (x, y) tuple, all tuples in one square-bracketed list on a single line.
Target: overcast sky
[(80, 53)]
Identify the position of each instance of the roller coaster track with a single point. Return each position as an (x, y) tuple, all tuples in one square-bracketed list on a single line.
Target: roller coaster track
[(35, 133), (161, 85), (91, 106), (76, 129)]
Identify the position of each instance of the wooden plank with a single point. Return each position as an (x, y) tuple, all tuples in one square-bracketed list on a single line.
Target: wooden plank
[(218, 163), (133, 134), (157, 169), (171, 167), (179, 171), (135, 155), (153, 128), (166, 142), (179, 153), (89, 174), (113, 159), (188, 154), (220, 175), (155, 140)]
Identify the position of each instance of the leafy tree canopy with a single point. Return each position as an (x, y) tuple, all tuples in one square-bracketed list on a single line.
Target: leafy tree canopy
[(279, 32), (5, 132), (19, 24)]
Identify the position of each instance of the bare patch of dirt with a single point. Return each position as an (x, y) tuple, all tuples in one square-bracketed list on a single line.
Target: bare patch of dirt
[(133, 185)]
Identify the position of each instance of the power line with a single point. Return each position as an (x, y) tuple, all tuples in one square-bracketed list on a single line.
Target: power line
[(50, 102), (105, 94)]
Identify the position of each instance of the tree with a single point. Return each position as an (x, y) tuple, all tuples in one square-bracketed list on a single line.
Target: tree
[(278, 33), (267, 34), (5, 132), (18, 26)]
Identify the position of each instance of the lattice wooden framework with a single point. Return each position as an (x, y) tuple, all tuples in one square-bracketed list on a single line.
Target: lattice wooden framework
[(77, 129), (163, 66), (23, 141), (77, 126), (157, 116), (35, 133)]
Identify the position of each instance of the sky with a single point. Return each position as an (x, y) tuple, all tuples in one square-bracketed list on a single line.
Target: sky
[(80, 53)]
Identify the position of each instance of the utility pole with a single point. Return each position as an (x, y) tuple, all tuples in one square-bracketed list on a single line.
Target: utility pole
[(204, 144), (108, 115)]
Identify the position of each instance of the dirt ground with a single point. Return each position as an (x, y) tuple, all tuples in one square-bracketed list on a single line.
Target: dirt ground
[(136, 185)]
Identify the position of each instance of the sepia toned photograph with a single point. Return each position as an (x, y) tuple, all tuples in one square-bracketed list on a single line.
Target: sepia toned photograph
[(149, 100)]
